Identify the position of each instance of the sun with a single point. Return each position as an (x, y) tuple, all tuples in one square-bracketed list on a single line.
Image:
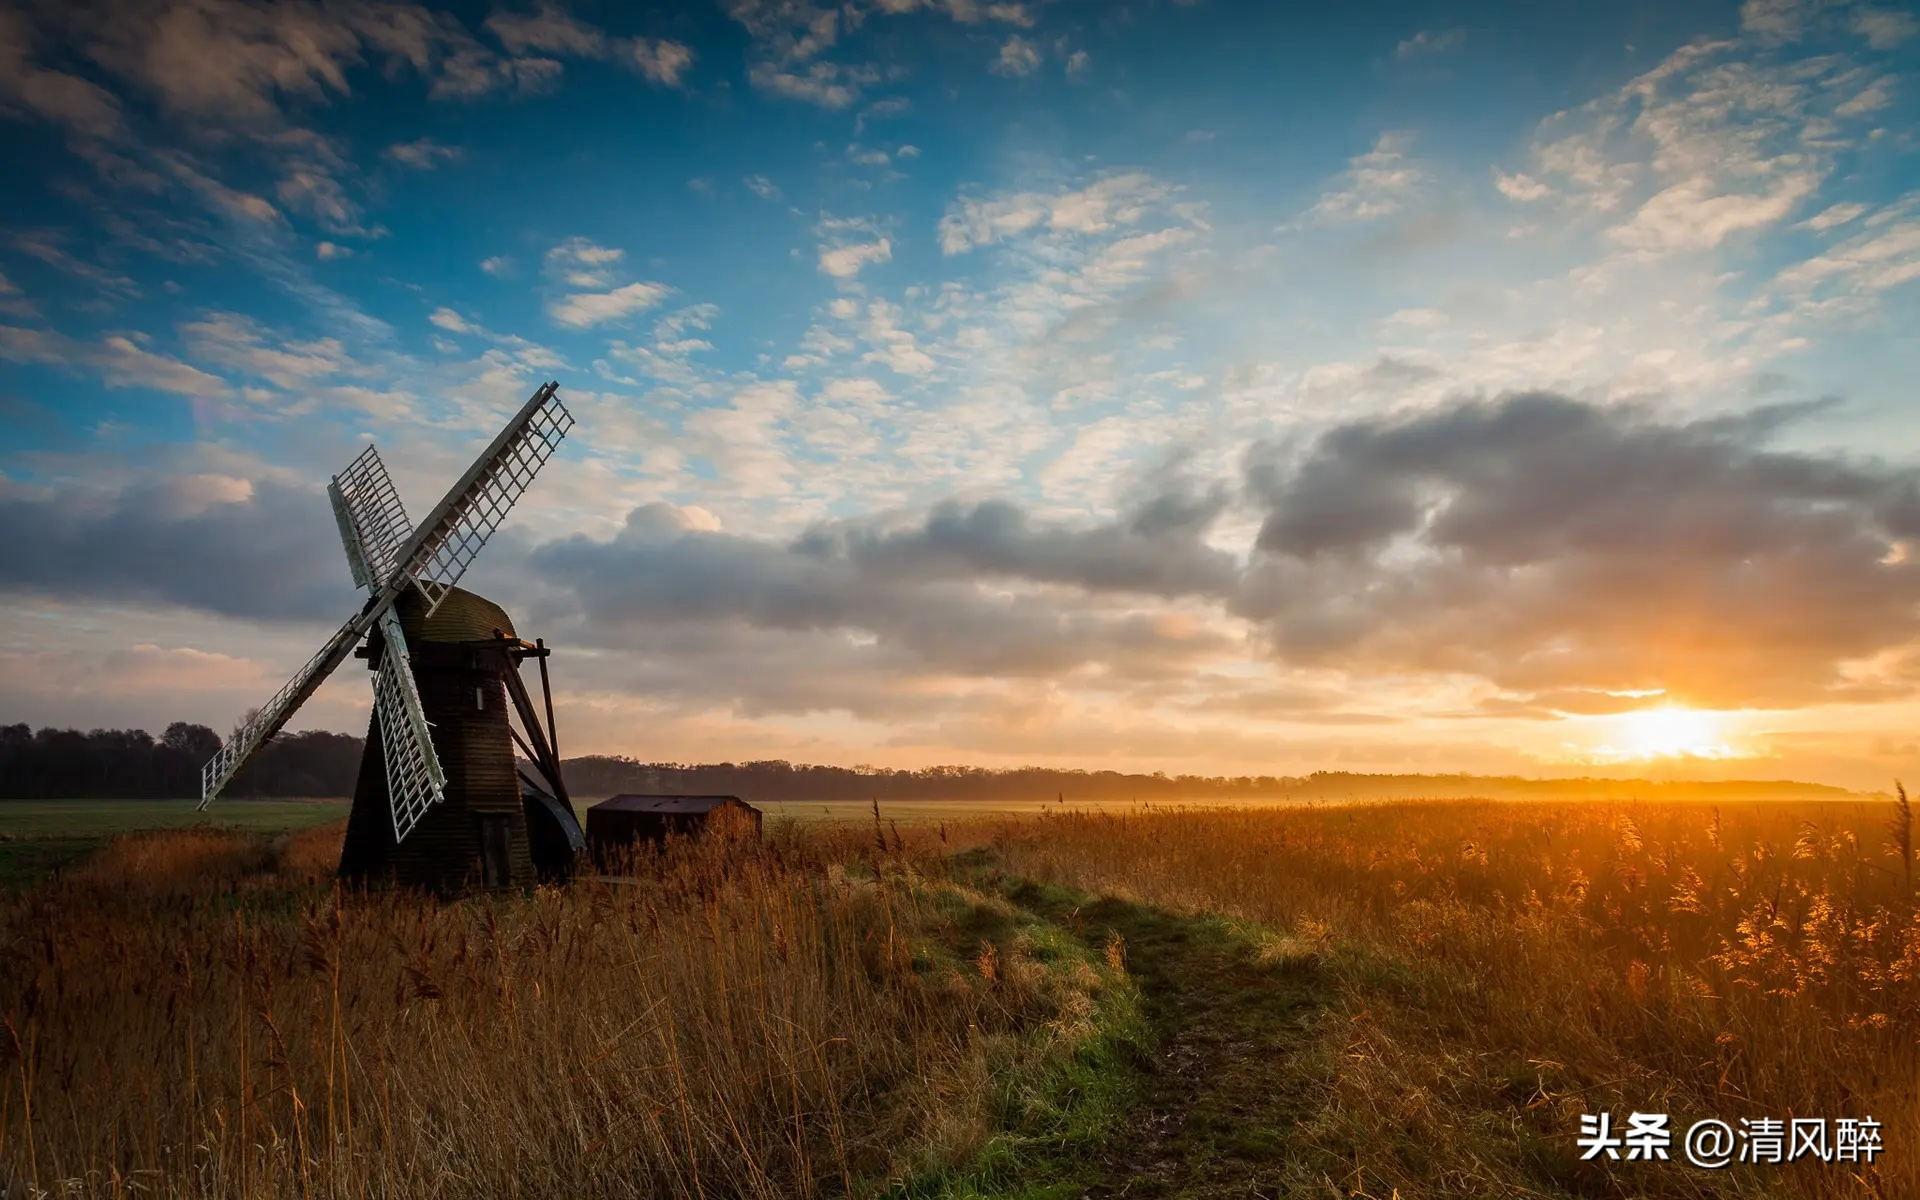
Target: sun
[(1671, 731)]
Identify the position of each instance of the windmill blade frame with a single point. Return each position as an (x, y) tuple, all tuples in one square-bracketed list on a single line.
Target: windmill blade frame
[(373, 522), (269, 717), (415, 780), (452, 535)]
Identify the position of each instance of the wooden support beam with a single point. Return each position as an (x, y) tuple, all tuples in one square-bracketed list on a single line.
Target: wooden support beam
[(542, 754), (546, 690)]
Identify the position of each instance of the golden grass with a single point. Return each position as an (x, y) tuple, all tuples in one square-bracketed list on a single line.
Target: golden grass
[(191, 1015), (1506, 967), (202, 1014)]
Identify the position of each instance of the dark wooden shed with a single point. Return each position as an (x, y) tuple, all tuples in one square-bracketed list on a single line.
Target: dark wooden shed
[(629, 818)]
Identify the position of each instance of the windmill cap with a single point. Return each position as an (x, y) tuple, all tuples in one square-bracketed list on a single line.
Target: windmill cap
[(461, 617)]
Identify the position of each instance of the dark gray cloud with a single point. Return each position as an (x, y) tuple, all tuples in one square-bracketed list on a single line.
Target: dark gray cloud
[(1547, 544), (916, 596), (1155, 547), (199, 541)]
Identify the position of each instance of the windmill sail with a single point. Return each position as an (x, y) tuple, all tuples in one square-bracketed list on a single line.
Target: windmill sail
[(387, 558), (269, 717), (415, 781), (452, 535), (373, 522), (373, 530)]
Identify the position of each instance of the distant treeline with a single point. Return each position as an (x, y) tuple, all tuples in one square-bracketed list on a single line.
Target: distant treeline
[(115, 763), (59, 764), (774, 780), (596, 776)]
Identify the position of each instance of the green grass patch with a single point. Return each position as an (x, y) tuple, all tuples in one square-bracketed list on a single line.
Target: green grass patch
[(38, 837), (104, 818)]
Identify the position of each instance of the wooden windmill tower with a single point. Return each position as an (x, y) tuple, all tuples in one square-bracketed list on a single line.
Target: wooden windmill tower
[(441, 802)]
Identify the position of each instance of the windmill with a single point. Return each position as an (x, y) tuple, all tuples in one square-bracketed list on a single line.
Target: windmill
[(440, 801)]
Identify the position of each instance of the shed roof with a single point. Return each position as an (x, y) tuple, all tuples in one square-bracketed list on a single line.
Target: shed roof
[(635, 802)]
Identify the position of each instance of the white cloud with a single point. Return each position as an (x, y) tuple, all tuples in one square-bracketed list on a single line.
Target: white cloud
[(1781, 20), (580, 262), (120, 360), (1872, 261), (844, 262), (1833, 215), (1017, 57), (582, 309), (1872, 98), (1429, 42), (823, 83), (1885, 28), (327, 251), (314, 191), (891, 346), (1418, 318), (661, 61), (238, 343), (1115, 200), (1520, 186), (1375, 184), (762, 187), (552, 30), (451, 321), (82, 107), (497, 266), (1695, 215), (424, 154), (742, 440), (1719, 138), (267, 54)]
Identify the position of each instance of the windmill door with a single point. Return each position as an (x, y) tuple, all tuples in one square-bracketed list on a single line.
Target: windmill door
[(496, 850)]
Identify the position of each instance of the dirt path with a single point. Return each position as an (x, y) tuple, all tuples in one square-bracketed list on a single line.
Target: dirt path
[(1229, 1069)]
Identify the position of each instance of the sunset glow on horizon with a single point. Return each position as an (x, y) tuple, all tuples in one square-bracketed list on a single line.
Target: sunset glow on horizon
[(1668, 732), (1154, 386)]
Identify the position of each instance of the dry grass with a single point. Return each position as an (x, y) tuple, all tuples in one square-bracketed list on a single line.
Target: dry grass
[(201, 1014), (1506, 967), (192, 1015)]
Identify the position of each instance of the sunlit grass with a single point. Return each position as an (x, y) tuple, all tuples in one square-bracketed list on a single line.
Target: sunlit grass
[(1506, 967)]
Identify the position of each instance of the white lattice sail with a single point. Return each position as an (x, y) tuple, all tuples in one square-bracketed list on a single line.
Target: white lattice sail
[(450, 539), (269, 717), (415, 781), (373, 521)]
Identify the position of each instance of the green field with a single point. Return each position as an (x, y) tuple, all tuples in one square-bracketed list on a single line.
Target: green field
[(38, 836), (102, 818)]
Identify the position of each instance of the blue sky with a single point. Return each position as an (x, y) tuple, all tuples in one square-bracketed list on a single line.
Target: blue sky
[(959, 381)]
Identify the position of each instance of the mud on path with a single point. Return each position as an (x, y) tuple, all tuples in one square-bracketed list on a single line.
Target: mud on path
[(1231, 1066)]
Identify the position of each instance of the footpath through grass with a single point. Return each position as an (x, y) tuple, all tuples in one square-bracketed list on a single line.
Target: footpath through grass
[(1193, 1092)]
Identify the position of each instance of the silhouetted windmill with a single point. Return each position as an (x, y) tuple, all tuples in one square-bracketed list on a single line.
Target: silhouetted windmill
[(440, 801)]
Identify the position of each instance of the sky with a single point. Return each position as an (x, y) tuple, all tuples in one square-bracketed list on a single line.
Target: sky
[(1184, 386)]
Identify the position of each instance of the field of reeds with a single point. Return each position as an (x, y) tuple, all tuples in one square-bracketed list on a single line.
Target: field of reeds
[(201, 1013), (1500, 969), (1409, 999)]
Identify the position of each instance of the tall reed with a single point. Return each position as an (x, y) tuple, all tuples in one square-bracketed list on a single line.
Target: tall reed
[(739, 1020), (1506, 967)]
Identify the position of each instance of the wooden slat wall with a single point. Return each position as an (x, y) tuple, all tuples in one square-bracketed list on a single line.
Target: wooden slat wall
[(476, 751)]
